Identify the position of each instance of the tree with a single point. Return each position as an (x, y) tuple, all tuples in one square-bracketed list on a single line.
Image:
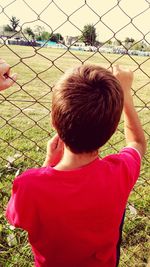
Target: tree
[(56, 37), (132, 40), (129, 42), (30, 32), (89, 34), (109, 42), (141, 46), (7, 28), (45, 36), (14, 22), (38, 32), (42, 35)]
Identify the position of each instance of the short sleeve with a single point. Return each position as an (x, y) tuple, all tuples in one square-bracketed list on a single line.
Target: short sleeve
[(131, 163), (19, 211)]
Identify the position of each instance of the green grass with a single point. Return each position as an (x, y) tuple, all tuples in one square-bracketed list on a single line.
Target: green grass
[(25, 129)]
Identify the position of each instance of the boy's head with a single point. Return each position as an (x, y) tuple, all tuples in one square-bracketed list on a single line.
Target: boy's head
[(86, 107)]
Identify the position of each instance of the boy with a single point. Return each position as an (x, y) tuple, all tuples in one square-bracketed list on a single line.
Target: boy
[(73, 207)]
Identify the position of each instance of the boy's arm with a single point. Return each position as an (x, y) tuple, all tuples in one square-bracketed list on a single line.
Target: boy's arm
[(5, 79), (134, 133)]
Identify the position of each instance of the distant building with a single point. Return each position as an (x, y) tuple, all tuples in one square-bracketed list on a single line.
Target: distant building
[(16, 38), (69, 40)]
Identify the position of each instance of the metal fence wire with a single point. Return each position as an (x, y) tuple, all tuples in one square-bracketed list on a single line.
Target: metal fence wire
[(25, 108)]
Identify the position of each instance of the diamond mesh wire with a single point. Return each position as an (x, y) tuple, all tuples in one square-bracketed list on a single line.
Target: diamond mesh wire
[(25, 110)]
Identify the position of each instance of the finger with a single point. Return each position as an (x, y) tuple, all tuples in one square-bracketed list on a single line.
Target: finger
[(60, 144), (14, 77), (4, 68), (8, 72), (2, 61), (9, 81), (60, 141), (110, 68), (115, 69), (52, 144), (55, 139)]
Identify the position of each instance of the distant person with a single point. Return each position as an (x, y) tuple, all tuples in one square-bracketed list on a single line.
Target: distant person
[(73, 206)]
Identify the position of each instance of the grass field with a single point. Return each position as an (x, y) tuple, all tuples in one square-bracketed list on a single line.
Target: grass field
[(25, 129)]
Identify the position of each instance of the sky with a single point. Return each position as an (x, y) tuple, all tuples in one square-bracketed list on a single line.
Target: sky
[(108, 16)]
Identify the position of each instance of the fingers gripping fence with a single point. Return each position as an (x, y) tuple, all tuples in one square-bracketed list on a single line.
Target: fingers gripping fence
[(24, 109)]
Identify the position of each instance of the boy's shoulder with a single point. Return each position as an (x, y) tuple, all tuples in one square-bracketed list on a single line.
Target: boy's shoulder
[(33, 175), (125, 154)]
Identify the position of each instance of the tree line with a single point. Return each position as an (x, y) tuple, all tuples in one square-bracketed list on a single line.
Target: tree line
[(88, 36), (39, 33)]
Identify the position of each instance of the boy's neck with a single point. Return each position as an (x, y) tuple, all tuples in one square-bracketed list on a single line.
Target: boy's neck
[(72, 161)]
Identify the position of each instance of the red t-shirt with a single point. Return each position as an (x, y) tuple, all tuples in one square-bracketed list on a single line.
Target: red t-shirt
[(73, 217)]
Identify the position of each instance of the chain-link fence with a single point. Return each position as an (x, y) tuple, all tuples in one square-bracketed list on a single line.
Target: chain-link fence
[(24, 109)]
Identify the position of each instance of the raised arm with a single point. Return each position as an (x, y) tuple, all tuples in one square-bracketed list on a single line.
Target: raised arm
[(134, 133), (6, 80)]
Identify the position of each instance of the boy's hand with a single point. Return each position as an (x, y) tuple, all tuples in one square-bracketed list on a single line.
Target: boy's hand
[(55, 149), (6, 80), (134, 133), (125, 77)]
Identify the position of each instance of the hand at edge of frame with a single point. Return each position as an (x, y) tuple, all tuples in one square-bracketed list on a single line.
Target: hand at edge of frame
[(6, 80)]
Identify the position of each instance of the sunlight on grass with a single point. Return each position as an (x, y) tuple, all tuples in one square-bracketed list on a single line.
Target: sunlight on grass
[(25, 129)]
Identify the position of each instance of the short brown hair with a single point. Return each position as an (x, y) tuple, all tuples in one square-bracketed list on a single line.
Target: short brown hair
[(86, 107)]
